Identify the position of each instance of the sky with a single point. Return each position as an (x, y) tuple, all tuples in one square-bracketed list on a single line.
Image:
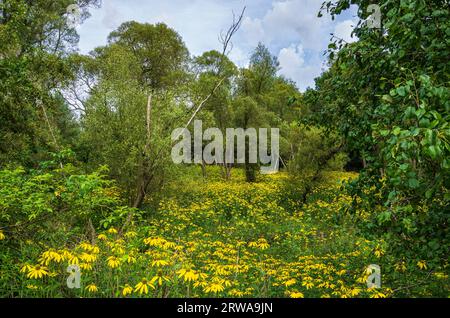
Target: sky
[(289, 28)]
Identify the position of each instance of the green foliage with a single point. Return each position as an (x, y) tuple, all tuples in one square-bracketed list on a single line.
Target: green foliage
[(115, 113), (385, 98), (306, 154), (40, 208), (388, 96), (36, 203), (34, 42), (212, 67), (159, 50)]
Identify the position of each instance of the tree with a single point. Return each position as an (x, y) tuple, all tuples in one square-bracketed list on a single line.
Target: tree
[(211, 67), (159, 50), (34, 42), (387, 95), (134, 105), (253, 85)]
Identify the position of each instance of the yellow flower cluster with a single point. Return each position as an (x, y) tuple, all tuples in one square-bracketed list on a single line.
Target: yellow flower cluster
[(226, 239)]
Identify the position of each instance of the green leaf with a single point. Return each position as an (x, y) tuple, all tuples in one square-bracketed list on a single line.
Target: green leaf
[(401, 91), (387, 99), (413, 183), (434, 151), (384, 132)]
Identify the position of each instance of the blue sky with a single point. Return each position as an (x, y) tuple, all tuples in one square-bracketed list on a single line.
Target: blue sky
[(289, 28)]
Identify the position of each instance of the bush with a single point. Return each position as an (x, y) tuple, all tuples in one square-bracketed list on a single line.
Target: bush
[(41, 208)]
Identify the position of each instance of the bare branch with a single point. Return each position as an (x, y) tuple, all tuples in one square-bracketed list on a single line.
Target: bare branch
[(149, 117), (39, 102), (201, 105), (226, 39), (150, 165), (226, 42)]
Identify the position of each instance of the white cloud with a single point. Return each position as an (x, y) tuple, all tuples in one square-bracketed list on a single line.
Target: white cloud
[(111, 16), (292, 63), (276, 23), (343, 30), (291, 57), (239, 57), (253, 31), (296, 20)]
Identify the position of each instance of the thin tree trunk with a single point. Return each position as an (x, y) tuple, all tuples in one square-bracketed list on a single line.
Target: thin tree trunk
[(322, 161), (142, 192), (204, 169), (51, 130), (146, 176), (92, 233), (228, 168)]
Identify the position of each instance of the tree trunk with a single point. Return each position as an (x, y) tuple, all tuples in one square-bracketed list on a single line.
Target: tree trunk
[(204, 169), (250, 173), (228, 171), (142, 191), (250, 168), (92, 233), (322, 161)]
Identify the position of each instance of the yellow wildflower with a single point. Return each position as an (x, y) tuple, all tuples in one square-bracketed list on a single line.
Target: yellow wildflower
[(31, 286), (112, 231), (37, 271), (130, 234), (127, 290), (155, 241), (290, 282), (296, 295), (236, 293), (91, 288), (214, 288), (160, 278), (74, 260), (378, 252), (262, 244), (88, 258), (131, 259), (378, 295), (113, 262), (26, 268), (355, 291), (86, 266), (422, 264), (160, 263), (188, 275), (308, 284), (142, 287), (400, 267), (440, 275)]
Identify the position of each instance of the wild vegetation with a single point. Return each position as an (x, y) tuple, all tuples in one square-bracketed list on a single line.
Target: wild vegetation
[(86, 176)]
